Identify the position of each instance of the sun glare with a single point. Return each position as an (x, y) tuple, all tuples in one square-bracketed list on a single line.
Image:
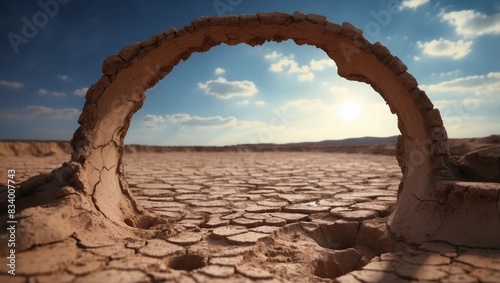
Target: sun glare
[(350, 111)]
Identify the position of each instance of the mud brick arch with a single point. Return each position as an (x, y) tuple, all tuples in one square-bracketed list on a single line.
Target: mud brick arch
[(95, 175)]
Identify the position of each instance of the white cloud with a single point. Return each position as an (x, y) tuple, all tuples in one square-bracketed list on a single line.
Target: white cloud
[(13, 85), (443, 47), (306, 77), (188, 120), (479, 84), (52, 93), (290, 65), (260, 103), (81, 91), (154, 121), (33, 112), (320, 65), (303, 72), (450, 73), (244, 102), (178, 118), (64, 78), (416, 58), (224, 89), (273, 55), (471, 23), (219, 71), (412, 4)]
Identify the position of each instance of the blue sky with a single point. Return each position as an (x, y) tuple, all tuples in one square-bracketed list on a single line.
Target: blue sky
[(278, 92)]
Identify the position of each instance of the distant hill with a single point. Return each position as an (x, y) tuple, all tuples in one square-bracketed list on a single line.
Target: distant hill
[(366, 145), (350, 141)]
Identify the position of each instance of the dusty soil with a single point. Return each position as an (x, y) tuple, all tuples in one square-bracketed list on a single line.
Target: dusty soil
[(254, 217)]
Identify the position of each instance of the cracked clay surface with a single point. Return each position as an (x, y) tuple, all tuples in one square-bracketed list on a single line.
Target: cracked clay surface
[(256, 217)]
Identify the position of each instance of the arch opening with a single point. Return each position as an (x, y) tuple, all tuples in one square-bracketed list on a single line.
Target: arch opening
[(266, 106), (121, 90)]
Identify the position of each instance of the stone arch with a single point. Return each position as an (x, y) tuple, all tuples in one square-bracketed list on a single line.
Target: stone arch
[(95, 171)]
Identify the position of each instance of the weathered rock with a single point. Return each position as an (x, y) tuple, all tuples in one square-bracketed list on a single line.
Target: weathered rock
[(481, 165), (254, 273), (111, 64), (55, 257), (227, 260), (290, 217), (84, 268), (371, 276), (246, 238), (355, 214), (489, 259), (116, 251), (218, 271), (130, 51), (223, 232), (306, 208), (138, 263), (420, 273), (249, 223), (114, 276), (160, 248), (185, 239), (275, 221)]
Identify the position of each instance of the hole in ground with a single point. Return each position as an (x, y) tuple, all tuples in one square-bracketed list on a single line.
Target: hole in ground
[(187, 262), (337, 263), (328, 250)]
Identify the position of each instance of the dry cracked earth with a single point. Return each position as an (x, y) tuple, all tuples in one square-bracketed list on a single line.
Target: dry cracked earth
[(254, 217)]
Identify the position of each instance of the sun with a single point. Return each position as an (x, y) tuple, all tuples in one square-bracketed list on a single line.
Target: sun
[(350, 111)]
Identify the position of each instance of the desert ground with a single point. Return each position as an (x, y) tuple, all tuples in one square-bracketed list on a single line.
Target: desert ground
[(266, 215)]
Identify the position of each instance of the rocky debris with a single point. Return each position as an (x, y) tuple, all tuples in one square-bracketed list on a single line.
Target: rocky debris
[(355, 214), (185, 239), (482, 165), (226, 261), (254, 273), (114, 276), (227, 231), (218, 271), (246, 238), (160, 248)]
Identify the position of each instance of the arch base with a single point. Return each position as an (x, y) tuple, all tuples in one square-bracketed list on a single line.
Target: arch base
[(52, 207)]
